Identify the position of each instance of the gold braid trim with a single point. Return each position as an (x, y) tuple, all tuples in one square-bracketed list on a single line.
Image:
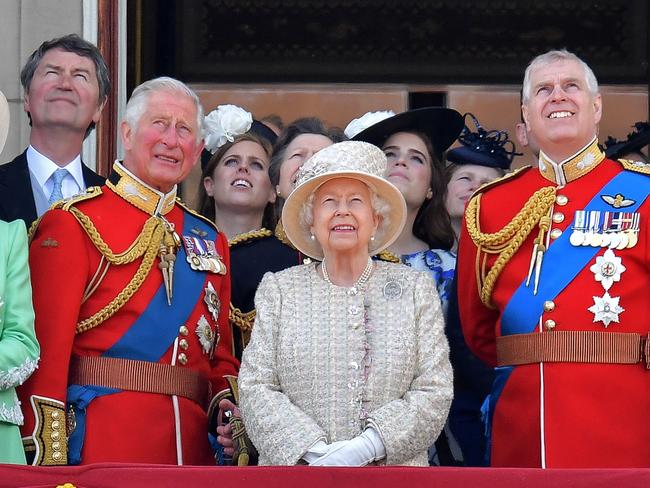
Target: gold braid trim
[(243, 320), (389, 257), (508, 240), (150, 254), (249, 236), (147, 244), (152, 226), (636, 166)]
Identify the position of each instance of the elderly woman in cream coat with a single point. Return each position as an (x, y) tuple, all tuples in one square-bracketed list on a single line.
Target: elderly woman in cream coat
[(348, 362), (18, 347)]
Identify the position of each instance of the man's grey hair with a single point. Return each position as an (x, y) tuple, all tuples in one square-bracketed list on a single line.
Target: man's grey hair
[(137, 104), (379, 205), (553, 57)]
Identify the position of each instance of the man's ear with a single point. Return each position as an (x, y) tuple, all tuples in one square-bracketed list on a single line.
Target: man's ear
[(524, 114), (127, 135), (598, 108)]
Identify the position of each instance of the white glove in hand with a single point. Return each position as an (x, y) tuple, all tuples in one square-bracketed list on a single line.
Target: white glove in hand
[(319, 449), (359, 451)]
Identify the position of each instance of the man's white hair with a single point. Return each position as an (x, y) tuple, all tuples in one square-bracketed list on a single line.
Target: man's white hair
[(553, 57), (137, 104)]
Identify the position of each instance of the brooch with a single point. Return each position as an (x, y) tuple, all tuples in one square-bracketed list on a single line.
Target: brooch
[(392, 290)]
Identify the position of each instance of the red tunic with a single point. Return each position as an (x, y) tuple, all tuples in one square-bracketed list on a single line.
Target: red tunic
[(563, 414), (128, 426)]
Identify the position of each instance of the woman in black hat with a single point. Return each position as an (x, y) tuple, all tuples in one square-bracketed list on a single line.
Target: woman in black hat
[(413, 142), (483, 156)]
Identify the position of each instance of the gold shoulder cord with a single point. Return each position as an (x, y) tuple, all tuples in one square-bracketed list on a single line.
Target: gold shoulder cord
[(243, 320), (248, 236), (147, 244), (508, 240)]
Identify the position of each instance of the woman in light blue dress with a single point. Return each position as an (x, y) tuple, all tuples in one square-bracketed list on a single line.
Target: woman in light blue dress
[(413, 142)]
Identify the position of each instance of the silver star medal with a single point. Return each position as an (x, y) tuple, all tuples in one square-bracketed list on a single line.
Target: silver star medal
[(211, 299), (606, 309), (206, 334), (607, 270)]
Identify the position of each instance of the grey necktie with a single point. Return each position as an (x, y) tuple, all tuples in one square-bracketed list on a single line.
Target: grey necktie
[(57, 178)]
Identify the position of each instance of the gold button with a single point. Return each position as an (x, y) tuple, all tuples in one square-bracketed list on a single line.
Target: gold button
[(183, 330), (183, 344), (549, 324), (558, 217), (182, 358), (549, 305), (55, 435), (55, 414), (561, 200), (56, 425), (555, 233), (56, 455), (56, 446)]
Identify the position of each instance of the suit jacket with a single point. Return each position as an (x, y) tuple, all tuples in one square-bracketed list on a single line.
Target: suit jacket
[(16, 196)]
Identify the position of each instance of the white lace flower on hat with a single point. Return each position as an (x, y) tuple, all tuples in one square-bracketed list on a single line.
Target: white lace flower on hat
[(366, 120), (224, 124)]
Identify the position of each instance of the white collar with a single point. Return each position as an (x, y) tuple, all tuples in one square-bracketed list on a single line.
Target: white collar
[(42, 167)]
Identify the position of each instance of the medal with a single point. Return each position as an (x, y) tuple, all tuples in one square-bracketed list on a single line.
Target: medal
[(211, 299), (608, 269), (202, 255), (606, 309), (577, 236), (207, 337)]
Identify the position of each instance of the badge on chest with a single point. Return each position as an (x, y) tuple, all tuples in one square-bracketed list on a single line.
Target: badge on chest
[(202, 255)]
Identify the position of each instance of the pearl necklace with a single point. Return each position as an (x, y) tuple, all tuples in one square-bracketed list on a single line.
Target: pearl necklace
[(362, 279)]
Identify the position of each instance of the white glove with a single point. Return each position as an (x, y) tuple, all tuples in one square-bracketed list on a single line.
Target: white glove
[(359, 451), (319, 449)]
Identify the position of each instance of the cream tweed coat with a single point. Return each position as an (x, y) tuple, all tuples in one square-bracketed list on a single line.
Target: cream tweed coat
[(324, 362)]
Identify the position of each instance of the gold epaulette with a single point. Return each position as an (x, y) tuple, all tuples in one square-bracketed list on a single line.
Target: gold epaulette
[(243, 320), (636, 166), (181, 204), (507, 177), (507, 241), (65, 204), (249, 236), (388, 257)]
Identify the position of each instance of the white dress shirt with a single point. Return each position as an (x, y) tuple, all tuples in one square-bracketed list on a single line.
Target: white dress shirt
[(41, 170)]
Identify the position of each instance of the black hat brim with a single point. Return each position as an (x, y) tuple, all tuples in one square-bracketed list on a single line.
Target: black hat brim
[(441, 125), (465, 155)]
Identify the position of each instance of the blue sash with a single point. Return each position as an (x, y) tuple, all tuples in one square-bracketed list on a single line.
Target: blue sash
[(563, 262), (150, 336)]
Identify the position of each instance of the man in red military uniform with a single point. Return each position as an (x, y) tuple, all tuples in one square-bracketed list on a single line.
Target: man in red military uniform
[(553, 279), (131, 293)]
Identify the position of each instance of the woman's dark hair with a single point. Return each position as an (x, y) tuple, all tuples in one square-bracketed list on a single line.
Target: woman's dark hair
[(206, 203), (432, 223), (306, 125)]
